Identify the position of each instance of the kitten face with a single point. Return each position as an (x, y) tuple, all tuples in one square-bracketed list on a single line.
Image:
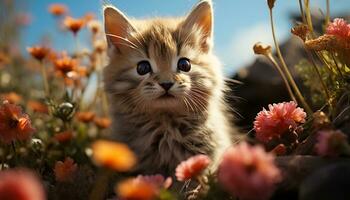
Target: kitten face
[(161, 65)]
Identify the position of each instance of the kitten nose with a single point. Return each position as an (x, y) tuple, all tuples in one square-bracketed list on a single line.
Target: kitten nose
[(166, 85)]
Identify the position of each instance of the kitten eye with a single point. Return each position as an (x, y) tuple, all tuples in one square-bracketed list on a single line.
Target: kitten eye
[(184, 64), (144, 67)]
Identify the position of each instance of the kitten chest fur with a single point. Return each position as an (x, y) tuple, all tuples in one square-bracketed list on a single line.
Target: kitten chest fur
[(162, 141)]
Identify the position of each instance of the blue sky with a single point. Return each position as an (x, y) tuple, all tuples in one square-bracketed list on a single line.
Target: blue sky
[(238, 23)]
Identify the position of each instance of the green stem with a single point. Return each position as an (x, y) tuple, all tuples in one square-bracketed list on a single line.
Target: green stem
[(100, 188), (286, 70), (275, 64), (13, 145), (337, 66), (328, 13), (45, 81), (328, 96), (302, 11), (308, 16)]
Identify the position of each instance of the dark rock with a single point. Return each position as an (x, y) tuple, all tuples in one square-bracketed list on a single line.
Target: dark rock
[(331, 182)]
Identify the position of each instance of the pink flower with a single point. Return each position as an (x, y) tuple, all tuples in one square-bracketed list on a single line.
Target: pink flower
[(192, 167), (331, 143), (279, 119), (20, 185), (157, 180), (248, 172), (340, 28)]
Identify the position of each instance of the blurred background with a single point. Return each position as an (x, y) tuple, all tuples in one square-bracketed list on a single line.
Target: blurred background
[(238, 23)]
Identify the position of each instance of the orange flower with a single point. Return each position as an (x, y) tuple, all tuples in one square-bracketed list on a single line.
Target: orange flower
[(14, 125), (136, 189), (64, 171), (89, 16), (113, 155), (58, 9), (73, 24), (192, 167), (38, 52), (85, 117), (94, 26), (4, 59), (102, 122), (11, 97), (38, 107), (20, 185), (63, 136), (65, 64), (82, 71), (100, 46)]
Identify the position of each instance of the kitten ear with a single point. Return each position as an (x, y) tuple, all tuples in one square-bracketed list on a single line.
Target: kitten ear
[(201, 16), (117, 26)]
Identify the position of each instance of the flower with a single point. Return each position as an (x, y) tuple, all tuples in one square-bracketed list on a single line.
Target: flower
[(65, 64), (85, 117), (157, 180), (340, 28), (248, 172), (136, 189), (58, 9), (38, 52), (100, 46), (279, 150), (4, 59), (331, 143), (73, 24), (20, 185), (64, 136), (327, 42), (271, 3), (14, 125), (262, 49), (38, 107), (279, 119), (192, 167), (64, 171), (102, 122), (12, 97), (113, 155), (94, 26), (301, 30), (89, 16)]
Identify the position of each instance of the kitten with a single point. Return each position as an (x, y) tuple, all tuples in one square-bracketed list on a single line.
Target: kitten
[(166, 88)]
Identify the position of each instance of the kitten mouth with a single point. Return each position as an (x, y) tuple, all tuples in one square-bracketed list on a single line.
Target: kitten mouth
[(166, 96)]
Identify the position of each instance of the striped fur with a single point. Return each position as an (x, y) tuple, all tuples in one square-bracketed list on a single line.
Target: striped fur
[(164, 132)]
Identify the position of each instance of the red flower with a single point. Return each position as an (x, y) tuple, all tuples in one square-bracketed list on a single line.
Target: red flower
[(340, 28), (64, 171), (279, 119), (192, 167), (14, 125), (248, 172), (63, 136), (20, 185), (331, 143)]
